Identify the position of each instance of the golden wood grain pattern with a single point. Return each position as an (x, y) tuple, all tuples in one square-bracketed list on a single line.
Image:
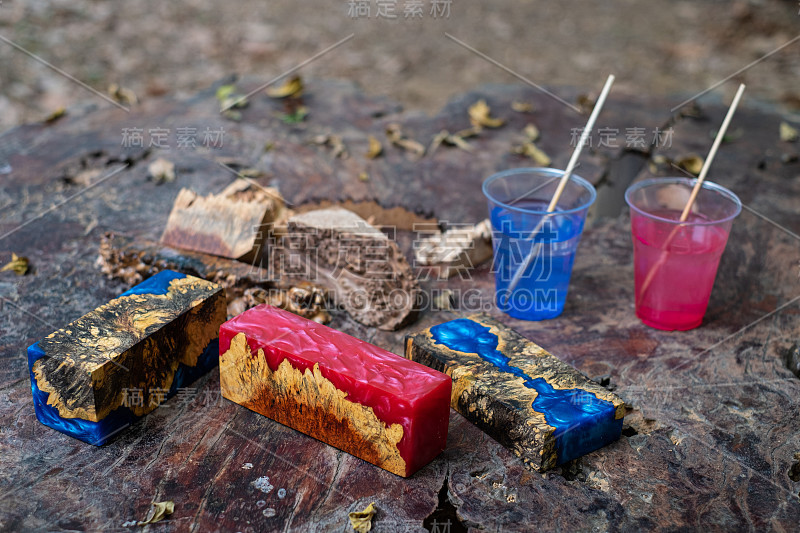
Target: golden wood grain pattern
[(147, 335), (310, 403), (531, 358)]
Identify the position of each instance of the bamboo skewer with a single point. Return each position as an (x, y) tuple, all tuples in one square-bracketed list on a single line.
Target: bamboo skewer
[(695, 191), (561, 185)]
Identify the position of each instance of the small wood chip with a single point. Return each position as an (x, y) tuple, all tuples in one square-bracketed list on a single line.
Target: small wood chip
[(375, 148)]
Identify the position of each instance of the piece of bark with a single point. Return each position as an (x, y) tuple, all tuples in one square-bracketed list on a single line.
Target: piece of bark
[(360, 398), (539, 407), (245, 285), (456, 250), (97, 375), (365, 271), (233, 224)]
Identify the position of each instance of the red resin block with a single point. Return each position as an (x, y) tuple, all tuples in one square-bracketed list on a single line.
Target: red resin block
[(348, 393)]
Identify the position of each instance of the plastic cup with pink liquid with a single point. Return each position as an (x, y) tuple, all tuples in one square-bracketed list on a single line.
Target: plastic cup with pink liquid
[(675, 263)]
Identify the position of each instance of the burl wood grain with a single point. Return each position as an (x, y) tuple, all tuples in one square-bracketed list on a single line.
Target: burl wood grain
[(307, 402)]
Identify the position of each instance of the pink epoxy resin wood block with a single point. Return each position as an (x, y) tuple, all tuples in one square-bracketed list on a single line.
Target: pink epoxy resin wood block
[(348, 393)]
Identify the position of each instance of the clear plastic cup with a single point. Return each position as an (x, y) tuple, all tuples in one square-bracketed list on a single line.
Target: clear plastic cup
[(518, 201), (675, 263)]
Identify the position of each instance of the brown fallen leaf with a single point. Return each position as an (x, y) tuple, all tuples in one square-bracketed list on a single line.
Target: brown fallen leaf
[(363, 176), (452, 139), (534, 152), (55, 115), (375, 148), (161, 171), (122, 94), (585, 103), (158, 511), (788, 133), (531, 132), (335, 142), (395, 135), (692, 163), (18, 265), (291, 88), (522, 107), (362, 520), (479, 115)]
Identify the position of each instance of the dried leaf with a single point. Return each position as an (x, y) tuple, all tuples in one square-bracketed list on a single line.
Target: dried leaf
[(522, 107), (232, 114), (55, 115), (451, 139), (291, 88), (363, 176), (18, 265), (362, 520), (338, 149), (586, 103), (225, 91), (296, 117), (375, 148), (158, 511), (657, 164), (534, 152), (479, 115), (122, 95), (531, 132), (161, 171), (395, 135), (692, 163), (788, 133)]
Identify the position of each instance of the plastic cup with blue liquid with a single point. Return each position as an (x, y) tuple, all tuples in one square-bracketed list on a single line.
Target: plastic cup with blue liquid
[(521, 227)]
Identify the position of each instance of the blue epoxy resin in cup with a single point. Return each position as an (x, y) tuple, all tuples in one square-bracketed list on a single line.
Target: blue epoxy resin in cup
[(518, 201)]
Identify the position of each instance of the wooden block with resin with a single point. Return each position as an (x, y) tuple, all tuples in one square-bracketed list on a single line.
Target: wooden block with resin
[(94, 377), (350, 394), (538, 406)]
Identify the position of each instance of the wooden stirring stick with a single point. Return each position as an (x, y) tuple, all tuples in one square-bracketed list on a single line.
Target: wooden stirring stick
[(695, 191), (561, 185)]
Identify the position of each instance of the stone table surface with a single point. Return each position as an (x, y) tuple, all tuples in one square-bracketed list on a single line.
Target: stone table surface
[(712, 434)]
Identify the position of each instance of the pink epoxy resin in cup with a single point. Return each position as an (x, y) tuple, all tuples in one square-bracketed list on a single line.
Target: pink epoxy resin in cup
[(675, 263)]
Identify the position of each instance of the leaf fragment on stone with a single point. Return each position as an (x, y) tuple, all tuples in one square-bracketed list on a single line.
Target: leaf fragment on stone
[(122, 95), (451, 139), (362, 520), (788, 133), (295, 117), (375, 148), (55, 115), (395, 135), (480, 115), (162, 170), (291, 88), (18, 265), (531, 132), (530, 149), (522, 107), (158, 511), (692, 163)]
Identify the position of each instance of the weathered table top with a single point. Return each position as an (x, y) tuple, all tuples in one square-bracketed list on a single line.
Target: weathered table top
[(713, 426)]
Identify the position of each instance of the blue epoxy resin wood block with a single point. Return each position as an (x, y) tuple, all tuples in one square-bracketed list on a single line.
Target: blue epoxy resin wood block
[(117, 363), (538, 406)]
